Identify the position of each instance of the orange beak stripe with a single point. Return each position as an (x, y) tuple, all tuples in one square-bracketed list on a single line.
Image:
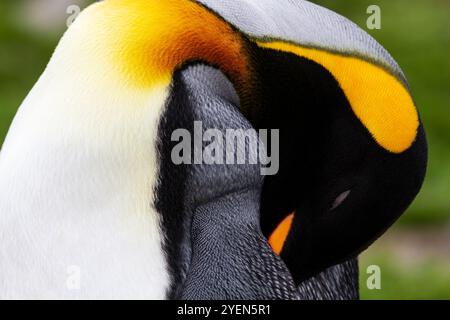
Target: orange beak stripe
[(279, 235)]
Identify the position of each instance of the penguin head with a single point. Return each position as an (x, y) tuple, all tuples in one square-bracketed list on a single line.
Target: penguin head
[(346, 174)]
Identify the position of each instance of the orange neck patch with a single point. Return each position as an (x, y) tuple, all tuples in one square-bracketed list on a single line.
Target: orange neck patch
[(150, 39)]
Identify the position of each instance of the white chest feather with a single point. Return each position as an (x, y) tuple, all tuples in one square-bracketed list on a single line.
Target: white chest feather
[(77, 177)]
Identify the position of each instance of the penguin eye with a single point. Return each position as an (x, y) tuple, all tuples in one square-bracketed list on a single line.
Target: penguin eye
[(340, 199)]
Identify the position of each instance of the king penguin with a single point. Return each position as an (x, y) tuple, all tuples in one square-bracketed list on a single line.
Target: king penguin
[(93, 207)]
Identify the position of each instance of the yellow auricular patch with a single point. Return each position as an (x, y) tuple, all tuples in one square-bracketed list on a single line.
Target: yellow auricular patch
[(379, 100)]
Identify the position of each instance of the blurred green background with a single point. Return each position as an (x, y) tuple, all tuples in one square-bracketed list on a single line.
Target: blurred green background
[(414, 256)]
